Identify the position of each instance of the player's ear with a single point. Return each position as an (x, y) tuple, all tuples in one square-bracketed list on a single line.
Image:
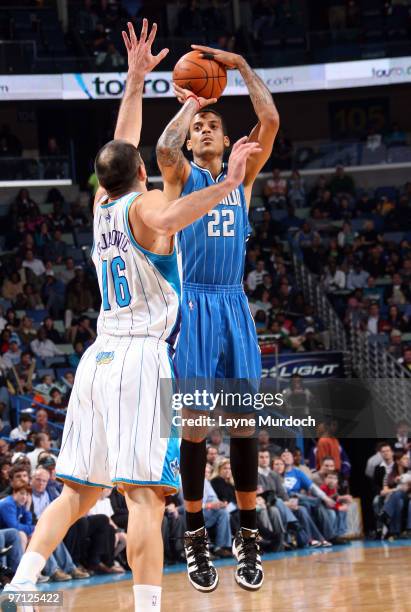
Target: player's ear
[(226, 141), (188, 145), (142, 173)]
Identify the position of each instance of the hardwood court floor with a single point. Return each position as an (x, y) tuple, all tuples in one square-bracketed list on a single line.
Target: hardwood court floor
[(374, 578)]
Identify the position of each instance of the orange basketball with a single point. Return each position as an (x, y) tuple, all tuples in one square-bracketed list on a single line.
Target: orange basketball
[(203, 76)]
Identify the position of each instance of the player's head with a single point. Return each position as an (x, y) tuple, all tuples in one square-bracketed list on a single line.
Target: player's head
[(208, 135), (119, 167)]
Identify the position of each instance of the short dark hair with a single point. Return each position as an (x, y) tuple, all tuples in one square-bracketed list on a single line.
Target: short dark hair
[(209, 109), (116, 166)]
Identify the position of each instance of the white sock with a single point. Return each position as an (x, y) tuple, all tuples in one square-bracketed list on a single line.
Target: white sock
[(147, 598), (29, 568)]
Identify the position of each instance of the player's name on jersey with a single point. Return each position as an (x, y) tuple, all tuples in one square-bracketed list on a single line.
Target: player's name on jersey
[(233, 198), (113, 238), (242, 422)]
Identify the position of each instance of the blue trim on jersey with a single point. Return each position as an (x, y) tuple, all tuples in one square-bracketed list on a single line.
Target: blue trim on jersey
[(109, 204), (147, 483), (82, 482)]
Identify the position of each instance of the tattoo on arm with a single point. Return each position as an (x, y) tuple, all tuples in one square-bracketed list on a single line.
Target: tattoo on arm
[(259, 93), (172, 139)]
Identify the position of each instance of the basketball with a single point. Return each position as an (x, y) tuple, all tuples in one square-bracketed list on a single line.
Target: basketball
[(203, 76)]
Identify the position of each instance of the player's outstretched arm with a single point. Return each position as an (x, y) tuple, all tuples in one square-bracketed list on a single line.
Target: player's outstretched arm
[(167, 218), (141, 61), (174, 167), (268, 118)]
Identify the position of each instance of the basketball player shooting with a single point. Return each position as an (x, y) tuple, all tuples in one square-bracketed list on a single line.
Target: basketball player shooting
[(218, 337), (112, 429)]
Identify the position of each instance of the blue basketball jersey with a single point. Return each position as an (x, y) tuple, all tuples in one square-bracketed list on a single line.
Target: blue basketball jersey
[(213, 247)]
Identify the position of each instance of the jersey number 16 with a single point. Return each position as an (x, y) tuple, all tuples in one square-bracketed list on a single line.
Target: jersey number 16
[(120, 284)]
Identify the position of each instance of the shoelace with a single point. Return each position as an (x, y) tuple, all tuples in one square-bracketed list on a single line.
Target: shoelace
[(250, 549), (199, 548)]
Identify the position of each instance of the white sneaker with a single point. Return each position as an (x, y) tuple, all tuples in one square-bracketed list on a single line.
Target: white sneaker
[(10, 604)]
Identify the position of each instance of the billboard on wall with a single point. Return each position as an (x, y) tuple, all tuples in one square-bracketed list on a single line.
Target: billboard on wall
[(315, 77), (328, 364)]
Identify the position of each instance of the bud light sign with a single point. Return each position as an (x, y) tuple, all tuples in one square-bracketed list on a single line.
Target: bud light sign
[(312, 365)]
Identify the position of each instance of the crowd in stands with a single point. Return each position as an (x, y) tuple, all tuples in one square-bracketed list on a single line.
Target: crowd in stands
[(358, 244)]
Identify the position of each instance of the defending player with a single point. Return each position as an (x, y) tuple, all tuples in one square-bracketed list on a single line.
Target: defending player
[(218, 338), (112, 429)]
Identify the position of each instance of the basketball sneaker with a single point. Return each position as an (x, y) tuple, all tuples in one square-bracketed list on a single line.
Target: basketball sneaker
[(246, 549), (201, 572)]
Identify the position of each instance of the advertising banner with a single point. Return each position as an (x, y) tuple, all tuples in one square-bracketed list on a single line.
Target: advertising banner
[(327, 364), (103, 86)]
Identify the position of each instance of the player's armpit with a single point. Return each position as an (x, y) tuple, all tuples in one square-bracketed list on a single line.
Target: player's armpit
[(264, 134)]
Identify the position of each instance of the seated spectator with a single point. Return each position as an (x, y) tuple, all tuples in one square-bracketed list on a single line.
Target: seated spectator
[(23, 431), (110, 59), (260, 320), (42, 443), (66, 386), (12, 357), (42, 347), (51, 333), (306, 236), (21, 377), (275, 190), (30, 299), (216, 440), (60, 407), (297, 397), (5, 466), (82, 332), (53, 294), (74, 358), (300, 464), (45, 386), (357, 277), (296, 190), (42, 425), (59, 566), (372, 292), (19, 475), (373, 140), (346, 235), (266, 444), (78, 296), (217, 516), (10, 542), (373, 323), (405, 360), (68, 273), (173, 529), (399, 292), (380, 479), (4, 449), (27, 333), (15, 513), (402, 441), (12, 287), (330, 488), (212, 456), (35, 265), (223, 484), (255, 277), (334, 279), (395, 320), (341, 183), (396, 513)]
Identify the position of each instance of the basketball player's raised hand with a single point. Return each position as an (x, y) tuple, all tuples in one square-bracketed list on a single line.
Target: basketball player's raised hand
[(141, 61), (237, 162), (183, 94), (227, 59)]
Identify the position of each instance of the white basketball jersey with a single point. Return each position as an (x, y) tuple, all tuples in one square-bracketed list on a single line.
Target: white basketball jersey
[(140, 290)]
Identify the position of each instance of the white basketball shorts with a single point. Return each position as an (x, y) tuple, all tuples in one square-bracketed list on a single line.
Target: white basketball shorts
[(112, 429)]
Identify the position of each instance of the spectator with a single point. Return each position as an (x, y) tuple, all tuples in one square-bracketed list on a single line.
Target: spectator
[(216, 515), (12, 357), (346, 235), (396, 137), (216, 440), (53, 294), (306, 236), (5, 465), (395, 320), (33, 264), (10, 542), (357, 277), (297, 397), (30, 299), (23, 431), (15, 513), (300, 464), (255, 277), (68, 273), (42, 425), (334, 279), (12, 287), (78, 296), (341, 183), (59, 566), (373, 323), (265, 444), (27, 333), (380, 478), (110, 59), (296, 190), (74, 358), (212, 456), (223, 485), (330, 488), (275, 190), (173, 529), (398, 292), (42, 347), (82, 332), (42, 443), (282, 152), (405, 360), (373, 140), (19, 475), (51, 333)]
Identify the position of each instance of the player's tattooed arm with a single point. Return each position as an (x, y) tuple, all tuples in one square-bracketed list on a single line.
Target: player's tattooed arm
[(268, 118)]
